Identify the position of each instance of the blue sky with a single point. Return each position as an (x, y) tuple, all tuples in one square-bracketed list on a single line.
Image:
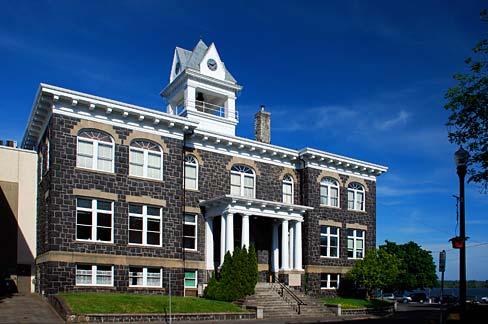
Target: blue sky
[(365, 79)]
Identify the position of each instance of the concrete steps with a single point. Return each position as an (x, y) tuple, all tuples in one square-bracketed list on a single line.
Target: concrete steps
[(274, 306)]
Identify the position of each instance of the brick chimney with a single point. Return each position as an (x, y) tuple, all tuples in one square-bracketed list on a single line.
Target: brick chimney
[(262, 126)]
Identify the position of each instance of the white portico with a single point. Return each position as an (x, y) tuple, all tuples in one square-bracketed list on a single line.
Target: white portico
[(286, 220)]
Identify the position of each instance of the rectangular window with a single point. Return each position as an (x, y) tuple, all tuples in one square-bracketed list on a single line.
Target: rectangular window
[(145, 225), (190, 232), (235, 184), (248, 186), (85, 153), (287, 193), (329, 280), (355, 244), (145, 277), (136, 163), (190, 176), (94, 275), (191, 279), (94, 219), (329, 241)]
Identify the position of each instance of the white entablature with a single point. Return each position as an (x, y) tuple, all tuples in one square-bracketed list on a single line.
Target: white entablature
[(55, 100)]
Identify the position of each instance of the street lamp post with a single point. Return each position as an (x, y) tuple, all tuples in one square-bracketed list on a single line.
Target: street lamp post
[(461, 158)]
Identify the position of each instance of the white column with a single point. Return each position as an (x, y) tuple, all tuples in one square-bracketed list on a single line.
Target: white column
[(298, 246), (230, 108), (291, 258), (190, 98), (209, 244), (275, 261), (223, 229), (284, 245), (245, 232), (229, 244)]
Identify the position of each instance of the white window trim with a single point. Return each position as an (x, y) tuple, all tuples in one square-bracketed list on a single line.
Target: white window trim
[(48, 149), (195, 165), (323, 183), (196, 280), (355, 197), (93, 210), (354, 237), (94, 153), (328, 236), (242, 176), (145, 218), (288, 180), (195, 223), (144, 278), (145, 163), (94, 277), (328, 281)]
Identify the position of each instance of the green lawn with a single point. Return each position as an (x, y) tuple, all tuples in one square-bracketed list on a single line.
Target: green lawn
[(350, 303), (91, 303)]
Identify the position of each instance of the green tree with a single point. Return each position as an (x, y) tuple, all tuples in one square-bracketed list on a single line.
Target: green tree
[(417, 266), (238, 276), (468, 105), (378, 269)]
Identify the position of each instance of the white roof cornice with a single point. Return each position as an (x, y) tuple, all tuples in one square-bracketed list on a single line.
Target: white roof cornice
[(322, 159), (189, 73), (49, 96)]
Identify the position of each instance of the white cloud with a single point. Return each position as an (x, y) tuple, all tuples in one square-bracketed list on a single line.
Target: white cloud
[(400, 119)]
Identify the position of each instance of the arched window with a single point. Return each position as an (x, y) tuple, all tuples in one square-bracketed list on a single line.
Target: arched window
[(355, 196), (242, 180), (191, 172), (329, 192), (95, 151), (288, 189), (146, 160)]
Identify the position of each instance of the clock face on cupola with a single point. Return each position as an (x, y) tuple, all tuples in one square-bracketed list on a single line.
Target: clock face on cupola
[(212, 65)]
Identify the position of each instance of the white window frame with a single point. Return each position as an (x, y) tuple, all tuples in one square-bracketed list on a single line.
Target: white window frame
[(196, 278), (243, 171), (328, 281), (95, 143), (48, 149), (355, 238), (355, 189), (194, 223), (191, 162), (94, 211), (145, 277), (94, 275), (146, 152), (328, 236), (329, 183), (144, 216), (288, 182)]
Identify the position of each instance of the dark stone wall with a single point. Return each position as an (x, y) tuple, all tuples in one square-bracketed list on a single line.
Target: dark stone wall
[(311, 227), (56, 277), (65, 177)]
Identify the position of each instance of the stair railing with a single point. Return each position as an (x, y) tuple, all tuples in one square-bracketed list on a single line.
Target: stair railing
[(287, 294)]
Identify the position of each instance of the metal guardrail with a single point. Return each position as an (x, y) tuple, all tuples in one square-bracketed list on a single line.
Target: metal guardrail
[(287, 294), (205, 107)]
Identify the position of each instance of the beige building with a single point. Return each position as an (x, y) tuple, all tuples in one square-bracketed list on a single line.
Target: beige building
[(18, 197)]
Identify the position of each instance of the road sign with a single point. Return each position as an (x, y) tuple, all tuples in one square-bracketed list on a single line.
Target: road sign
[(442, 261)]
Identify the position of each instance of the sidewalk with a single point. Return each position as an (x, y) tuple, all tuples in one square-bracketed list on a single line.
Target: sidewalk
[(28, 308)]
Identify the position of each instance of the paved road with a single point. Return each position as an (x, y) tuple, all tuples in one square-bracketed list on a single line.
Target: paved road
[(27, 308)]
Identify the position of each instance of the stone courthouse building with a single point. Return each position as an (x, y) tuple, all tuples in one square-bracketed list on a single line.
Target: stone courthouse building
[(136, 199)]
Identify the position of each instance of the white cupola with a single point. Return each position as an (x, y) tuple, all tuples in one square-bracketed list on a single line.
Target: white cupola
[(202, 89)]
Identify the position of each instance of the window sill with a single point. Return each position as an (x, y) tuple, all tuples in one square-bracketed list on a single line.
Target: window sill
[(95, 286), (94, 171), (321, 288), (357, 211), (191, 250), (145, 179), (94, 242), (327, 206), (144, 245), (191, 189), (326, 257)]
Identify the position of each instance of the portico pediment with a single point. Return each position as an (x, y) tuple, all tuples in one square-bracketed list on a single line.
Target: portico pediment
[(252, 206)]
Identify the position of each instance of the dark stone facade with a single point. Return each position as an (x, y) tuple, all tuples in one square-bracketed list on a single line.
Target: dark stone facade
[(57, 210)]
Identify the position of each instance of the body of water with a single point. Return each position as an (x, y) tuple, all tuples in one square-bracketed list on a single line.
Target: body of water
[(471, 293)]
